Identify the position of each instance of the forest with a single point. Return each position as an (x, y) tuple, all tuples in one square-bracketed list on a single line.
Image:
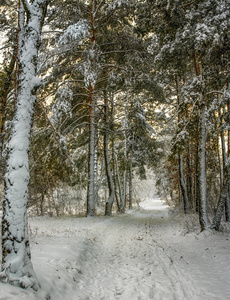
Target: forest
[(98, 93)]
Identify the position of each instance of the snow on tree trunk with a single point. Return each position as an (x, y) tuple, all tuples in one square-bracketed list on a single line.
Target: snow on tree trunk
[(203, 179), (17, 268)]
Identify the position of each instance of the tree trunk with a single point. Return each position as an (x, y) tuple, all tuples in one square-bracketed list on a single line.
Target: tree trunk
[(42, 203), (92, 108), (197, 199), (189, 178), (224, 159), (228, 121), (222, 200), (203, 179), (116, 194), (17, 268), (131, 177), (117, 182), (123, 203), (131, 185), (110, 200), (183, 185), (96, 168), (90, 194)]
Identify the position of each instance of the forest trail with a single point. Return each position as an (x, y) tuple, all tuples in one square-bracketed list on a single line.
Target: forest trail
[(130, 261), (144, 254)]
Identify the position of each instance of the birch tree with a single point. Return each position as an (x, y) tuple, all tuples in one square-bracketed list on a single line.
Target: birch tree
[(17, 267)]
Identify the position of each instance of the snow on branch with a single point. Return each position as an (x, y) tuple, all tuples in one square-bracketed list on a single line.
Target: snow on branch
[(62, 105), (117, 4), (75, 33)]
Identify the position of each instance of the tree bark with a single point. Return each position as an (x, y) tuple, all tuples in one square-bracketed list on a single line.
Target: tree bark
[(92, 107), (224, 159), (17, 267), (131, 176), (189, 177), (222, 200), (90, 194), (197, 198), (131, 185), (203, 179), (123, 202), (110, 200), (183, 185), (96, 168)]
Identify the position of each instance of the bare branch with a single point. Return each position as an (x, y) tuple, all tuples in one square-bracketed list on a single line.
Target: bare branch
[(98, 7)]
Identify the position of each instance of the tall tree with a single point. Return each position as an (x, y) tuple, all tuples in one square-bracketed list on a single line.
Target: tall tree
[(17, 267)]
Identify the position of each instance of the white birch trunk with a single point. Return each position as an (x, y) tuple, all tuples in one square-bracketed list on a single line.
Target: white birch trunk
[(16, 264)]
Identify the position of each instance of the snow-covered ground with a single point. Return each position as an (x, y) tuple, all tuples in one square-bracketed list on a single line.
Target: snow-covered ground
[(143, 254)]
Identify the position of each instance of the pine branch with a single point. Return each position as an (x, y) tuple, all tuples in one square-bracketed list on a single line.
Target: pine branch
[(190, 3), (56, 133)]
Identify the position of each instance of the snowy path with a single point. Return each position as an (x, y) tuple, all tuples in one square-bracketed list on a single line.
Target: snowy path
[(141, 255), (130, 264)]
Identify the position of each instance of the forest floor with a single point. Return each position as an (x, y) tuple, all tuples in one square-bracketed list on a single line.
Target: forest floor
[(147, 253)]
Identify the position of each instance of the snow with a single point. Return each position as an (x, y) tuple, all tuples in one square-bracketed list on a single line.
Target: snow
[(75, 33), (148, 253)]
